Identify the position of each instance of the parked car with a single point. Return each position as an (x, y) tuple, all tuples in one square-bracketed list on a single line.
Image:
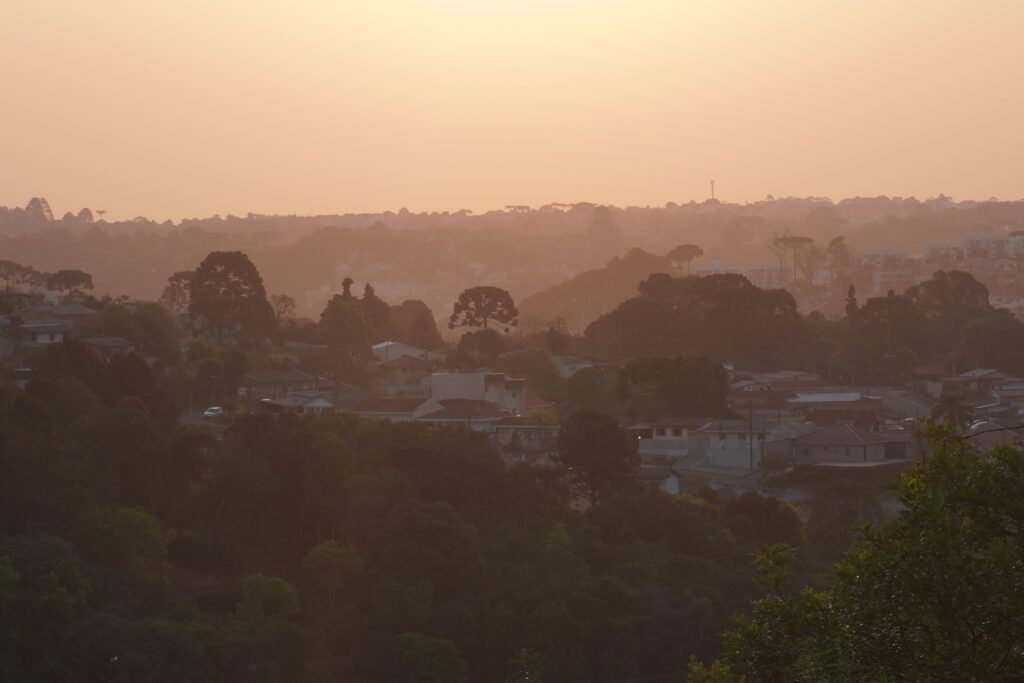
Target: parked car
[(212, 412)]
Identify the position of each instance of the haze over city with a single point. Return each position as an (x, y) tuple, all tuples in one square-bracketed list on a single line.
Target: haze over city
[(511, 341), (171, 109)]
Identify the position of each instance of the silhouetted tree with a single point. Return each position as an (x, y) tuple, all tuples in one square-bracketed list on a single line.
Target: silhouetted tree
[(175, 296), (69, 281), (685, 253), (595, 455), (228, 292), (283, 305), (348, 336), (479, 306), (851, 302)]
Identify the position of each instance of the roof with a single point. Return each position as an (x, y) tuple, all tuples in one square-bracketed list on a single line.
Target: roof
[(384, 345), (847, 434), (686, 422), (108, 342), (467, 410), (279, 377), (384, 404), (407, 363), (784, 375), (45, 326), (984, 373), (736, 426), (303, 398), (822, 417), (828, 397), (67, 310)]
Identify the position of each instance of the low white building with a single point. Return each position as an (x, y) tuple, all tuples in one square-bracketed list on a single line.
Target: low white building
[(570, 365), (481, 385)]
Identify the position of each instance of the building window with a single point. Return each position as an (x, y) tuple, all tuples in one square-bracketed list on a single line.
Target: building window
[(677, 431), (659, 432), (721, 437)]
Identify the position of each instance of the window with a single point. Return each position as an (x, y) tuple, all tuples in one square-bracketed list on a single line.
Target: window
[(760, 437), (677, 431), (659, 432), (721, 436)]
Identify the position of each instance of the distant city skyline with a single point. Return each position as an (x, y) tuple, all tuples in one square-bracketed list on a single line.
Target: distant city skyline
[(190, 109)]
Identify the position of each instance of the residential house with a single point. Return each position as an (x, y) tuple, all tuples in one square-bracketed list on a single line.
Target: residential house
[(520, 436), (73, 314), (785, 379), (41, 333), (403, 377), (386, 408), (392, 350), (658, 478), (570, 365), (276, 384), (107, 347), (480, 385), (478, 415), (735, 443), (846, 443), (668, 436), (341, 397), (806, 402)]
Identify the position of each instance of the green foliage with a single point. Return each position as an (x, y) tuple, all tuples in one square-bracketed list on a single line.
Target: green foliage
[(477, 349), (677, 387), (480, 306), (723, 317), (125, 537), (537, 368), (595, 454), (348, 335), (227, 292), (266, 597), (937, 590)]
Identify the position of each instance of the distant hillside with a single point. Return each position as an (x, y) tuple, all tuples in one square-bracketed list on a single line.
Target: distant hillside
[(593, 293)]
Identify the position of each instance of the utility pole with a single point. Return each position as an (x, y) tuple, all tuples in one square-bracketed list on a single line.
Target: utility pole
[(712, 189)]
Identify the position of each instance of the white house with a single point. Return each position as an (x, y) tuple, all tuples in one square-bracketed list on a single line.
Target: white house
[(480, 385), (570, 365), (735, 443), (392, 350)]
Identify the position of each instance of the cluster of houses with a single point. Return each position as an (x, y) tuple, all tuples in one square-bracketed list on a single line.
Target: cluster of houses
[(781, 420), (35, 327)]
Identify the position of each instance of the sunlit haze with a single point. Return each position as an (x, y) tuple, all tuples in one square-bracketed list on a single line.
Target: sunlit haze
[(178, 108)]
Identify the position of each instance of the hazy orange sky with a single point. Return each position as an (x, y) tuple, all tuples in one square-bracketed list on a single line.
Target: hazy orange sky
[(180, 108)]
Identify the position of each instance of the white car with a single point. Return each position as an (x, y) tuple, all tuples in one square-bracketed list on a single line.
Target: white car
[(212, 412)]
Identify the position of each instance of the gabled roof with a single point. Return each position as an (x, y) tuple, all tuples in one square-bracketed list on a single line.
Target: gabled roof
[(408, 363), (64, 310), (984, 373), (45, 327), (280, 377), (846, 434), (684, 422), (108, 342), (382, 405), (737, 426), (828, 397), (465, 409)]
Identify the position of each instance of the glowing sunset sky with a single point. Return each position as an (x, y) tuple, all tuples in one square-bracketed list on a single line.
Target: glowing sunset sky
[(172, 108)]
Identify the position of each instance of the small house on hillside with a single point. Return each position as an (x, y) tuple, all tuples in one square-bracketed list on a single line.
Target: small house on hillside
[(385, 408), (43, 332), (847, 443), (73, 314), (107, 347), (275, 384), (393, 350)]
